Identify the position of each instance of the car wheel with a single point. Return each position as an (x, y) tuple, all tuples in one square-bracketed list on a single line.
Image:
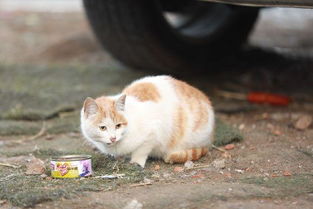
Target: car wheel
[(171, 36)]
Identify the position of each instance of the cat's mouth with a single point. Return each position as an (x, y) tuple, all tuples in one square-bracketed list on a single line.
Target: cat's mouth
[(110, 144)]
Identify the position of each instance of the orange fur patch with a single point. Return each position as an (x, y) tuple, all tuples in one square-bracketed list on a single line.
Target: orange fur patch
[(179, 123), (107, 108), (185, 155), (143, 91), (196, 100)]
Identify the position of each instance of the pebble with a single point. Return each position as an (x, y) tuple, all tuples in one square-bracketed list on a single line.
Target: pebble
[(239, 171), (157, 167), (134, 204), (147, 181), (287, 173), (219, 163), (189, 164), (303, 122), (229, 146), (178, 169)]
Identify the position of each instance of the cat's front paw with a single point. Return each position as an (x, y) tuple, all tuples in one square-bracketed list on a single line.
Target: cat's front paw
[(137, 165)]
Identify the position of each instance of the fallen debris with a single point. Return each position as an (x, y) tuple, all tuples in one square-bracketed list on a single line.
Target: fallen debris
[(198, 176), (35, 167), (218, 148), (277, 132), (147, 181), (239, 171), (2, 202), (303, 122), (189, 164), (229, 146), (141, 184), (287, 173), (157, 167), (275, 175), (134, 204), (226, 155), (9, 165), (219, 163), (257, 97), (113, 176), (178, 169), (40, 133)]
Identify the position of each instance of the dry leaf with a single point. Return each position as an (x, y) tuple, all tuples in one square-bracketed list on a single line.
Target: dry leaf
[(274, 175), (35, 167), (287, 173), (178, 169), (229, 146)]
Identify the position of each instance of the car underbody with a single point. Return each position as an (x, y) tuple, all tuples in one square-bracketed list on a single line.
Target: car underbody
[(270, 3)]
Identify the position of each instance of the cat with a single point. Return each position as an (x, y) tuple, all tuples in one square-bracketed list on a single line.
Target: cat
[(156, 116)]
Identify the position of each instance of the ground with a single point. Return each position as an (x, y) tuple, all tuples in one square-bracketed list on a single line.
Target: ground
[(50, 62)]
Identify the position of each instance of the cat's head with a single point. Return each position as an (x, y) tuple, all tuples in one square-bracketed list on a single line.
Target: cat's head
[(103, 119)]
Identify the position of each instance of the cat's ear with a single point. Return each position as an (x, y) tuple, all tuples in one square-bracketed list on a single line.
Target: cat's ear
[(120, 103), (90, 107)]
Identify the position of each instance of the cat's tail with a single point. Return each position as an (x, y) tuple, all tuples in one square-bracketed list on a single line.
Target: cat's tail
[(185, 155)]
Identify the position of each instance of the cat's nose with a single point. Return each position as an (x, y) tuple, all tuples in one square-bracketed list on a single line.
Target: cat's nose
[(113, 139)]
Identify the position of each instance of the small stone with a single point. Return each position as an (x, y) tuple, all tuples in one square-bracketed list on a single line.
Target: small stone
[(189, 164), (229, 146), (303, 122), (157, 167), (287, 173), (147, 181), (242, 126), (2, 202), (239, 171), (134, 204), (274, 175), (43, 175), (219, 163), (166, 175), (178, 169), (277, 132)]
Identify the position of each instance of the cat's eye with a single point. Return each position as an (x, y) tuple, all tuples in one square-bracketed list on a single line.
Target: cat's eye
[(117, 126), (103, 128)]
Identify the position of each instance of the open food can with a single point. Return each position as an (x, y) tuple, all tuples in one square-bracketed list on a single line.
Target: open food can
[(71, 166)]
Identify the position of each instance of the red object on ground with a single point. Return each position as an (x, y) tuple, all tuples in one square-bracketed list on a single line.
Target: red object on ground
[(267, 98)]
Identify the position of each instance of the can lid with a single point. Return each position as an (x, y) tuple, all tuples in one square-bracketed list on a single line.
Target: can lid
[(71, 157)]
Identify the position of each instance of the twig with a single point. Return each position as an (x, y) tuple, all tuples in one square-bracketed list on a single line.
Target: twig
[(113, 176), (9, 165), (140, 184), (40, 133), (231, 95), (217, 148), (200, 166), (116, 166)]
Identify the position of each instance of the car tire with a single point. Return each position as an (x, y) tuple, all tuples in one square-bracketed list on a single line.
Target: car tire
[(140, 34)]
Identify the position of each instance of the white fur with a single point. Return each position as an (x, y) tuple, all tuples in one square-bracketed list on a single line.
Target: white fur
[(150, 125)]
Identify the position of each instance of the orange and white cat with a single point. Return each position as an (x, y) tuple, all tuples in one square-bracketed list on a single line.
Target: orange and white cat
[(155, 116)]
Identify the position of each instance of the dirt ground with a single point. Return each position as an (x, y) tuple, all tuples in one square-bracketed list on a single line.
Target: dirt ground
[(50, 62)]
